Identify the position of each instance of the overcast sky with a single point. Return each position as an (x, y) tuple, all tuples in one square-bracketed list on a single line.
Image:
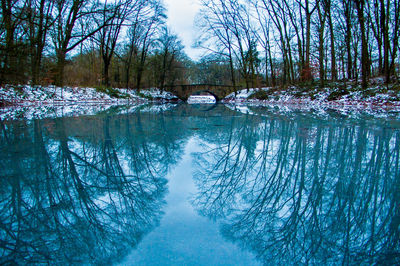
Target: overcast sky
[(181, 14)]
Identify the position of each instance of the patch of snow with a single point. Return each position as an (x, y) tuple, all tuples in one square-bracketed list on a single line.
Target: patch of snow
[(243, 109), (377, 97), (157, 93), (67, 110)]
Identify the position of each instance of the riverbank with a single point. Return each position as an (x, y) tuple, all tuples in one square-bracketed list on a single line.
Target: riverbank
[(28, 102), (378, 95), (25, 95)]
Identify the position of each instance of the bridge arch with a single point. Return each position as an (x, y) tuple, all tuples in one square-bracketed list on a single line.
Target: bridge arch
[(219, 92)]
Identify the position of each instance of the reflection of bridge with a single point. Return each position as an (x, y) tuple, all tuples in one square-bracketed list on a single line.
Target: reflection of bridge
[(183, 92)]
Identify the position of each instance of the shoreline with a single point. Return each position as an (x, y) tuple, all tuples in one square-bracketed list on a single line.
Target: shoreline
[(29, 102), (320, 104), (40, 110), (292, 102)]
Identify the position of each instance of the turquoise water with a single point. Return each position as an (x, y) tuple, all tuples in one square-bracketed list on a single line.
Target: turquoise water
[(201, 185)]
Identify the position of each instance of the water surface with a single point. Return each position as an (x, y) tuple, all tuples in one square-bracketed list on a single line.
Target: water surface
[(201, 185)]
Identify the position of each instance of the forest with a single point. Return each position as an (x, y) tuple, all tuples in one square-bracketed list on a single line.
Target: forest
[(256, 43)]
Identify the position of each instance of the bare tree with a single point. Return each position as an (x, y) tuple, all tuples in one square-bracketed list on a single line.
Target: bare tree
[(144, 26), (170, 49), (328, 6), (113, 16), (40, 19), (72, 27), (12, 39), (263, 37), (322, 16), (230, 24), (365, 62), (215, 27)]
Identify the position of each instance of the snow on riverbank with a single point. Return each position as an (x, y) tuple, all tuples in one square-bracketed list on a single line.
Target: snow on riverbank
[(18, 112), (375, 98), (27, 102), (338, 96), (28, 95), (158, 95)]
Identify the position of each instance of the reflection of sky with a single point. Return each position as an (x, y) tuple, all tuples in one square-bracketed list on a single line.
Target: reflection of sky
[(184, 237)]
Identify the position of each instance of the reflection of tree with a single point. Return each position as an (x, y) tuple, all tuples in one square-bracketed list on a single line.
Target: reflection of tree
[(226, 170), (73, 199), (310, 192)]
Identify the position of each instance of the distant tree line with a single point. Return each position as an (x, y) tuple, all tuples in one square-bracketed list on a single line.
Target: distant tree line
[(291, 41), (76, 42), (126, 43)]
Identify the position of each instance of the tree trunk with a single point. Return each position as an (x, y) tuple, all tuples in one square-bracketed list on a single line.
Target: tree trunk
[(347, 13), (266, 68), (289, 55), (9, 64), (364, 44), (395, 41), (59, 75), (307, 68), (321, 57), (35, 69), (106, 77), (142, 62), (163, 70), (386, 43), (271, 65), (354, 71), (37, 35), (332, 39), (232, 67), (139, 74)]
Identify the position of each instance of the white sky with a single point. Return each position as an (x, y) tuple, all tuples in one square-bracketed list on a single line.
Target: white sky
[(181, 15)]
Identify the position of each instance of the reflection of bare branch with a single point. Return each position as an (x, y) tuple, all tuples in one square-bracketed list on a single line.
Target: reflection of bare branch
[(312, 193), (76, 200)]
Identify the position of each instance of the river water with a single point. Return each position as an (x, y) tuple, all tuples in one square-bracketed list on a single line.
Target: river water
[(201, 185)]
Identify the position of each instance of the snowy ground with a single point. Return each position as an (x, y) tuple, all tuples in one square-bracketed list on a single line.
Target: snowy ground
[(159, 95), (27, 102), (67, 110), (28, 95), (348, 111), (374, 98)]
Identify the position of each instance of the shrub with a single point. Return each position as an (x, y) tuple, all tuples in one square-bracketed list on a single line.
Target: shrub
[(110, 91), (141, 95), (259, 95), (337, 94)]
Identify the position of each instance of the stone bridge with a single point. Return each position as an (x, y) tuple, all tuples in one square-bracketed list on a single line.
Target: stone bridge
[(183, 92)]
